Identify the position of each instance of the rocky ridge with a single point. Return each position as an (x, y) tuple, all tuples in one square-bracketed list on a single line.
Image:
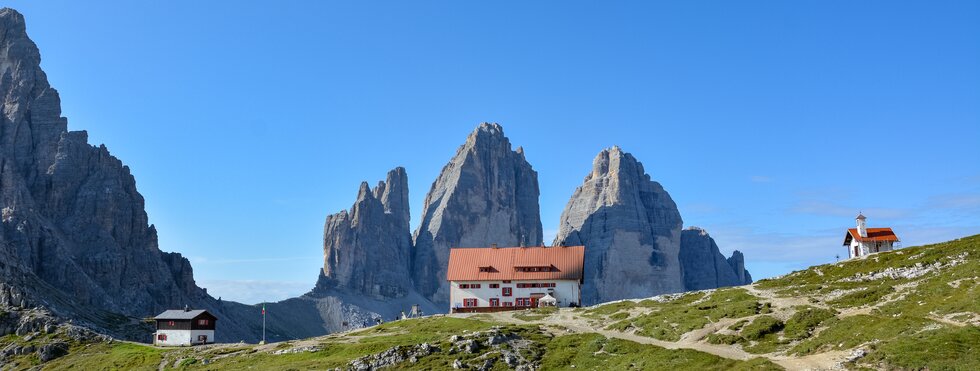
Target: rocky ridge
[(704, 267)]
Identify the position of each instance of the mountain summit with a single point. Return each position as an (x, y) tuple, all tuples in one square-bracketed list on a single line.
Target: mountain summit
[(486, 194), (631, 230)]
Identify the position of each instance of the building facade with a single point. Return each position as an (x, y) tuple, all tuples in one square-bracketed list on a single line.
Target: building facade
[(497, 279), (861, 241), (184, 327)]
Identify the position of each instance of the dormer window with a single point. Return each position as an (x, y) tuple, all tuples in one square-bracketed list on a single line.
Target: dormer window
[(550, 268)]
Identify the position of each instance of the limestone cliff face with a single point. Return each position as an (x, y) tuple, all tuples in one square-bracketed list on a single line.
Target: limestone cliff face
[(71, 212), (487, 194), (703, 265), (74, 236), (630, 227), (367, 250)]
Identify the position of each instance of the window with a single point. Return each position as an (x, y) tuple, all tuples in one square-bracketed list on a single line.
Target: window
[(475, 286), (469, 302), (521, 285), (171, 323), (487, 269), (162, 337), (494, 302), (464, 286), (202, 322), (494, 285), (202, 338), (508, 304), (523, 302), (506, 291), (506, 281)]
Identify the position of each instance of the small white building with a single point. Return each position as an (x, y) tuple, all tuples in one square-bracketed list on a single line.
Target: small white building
[(862, 240), (496, 279), (184, 327)]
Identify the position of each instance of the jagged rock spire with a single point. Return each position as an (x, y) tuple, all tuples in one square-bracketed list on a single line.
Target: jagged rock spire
[(486, 194), (367, 250)]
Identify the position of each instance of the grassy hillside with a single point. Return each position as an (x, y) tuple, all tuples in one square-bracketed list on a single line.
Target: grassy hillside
[(916, 308)]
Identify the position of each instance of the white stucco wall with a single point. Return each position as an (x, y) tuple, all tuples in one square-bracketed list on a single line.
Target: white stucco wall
[(865, 248), (182, 337), (566, 291)]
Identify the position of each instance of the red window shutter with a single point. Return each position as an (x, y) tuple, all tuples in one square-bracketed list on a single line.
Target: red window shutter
[(506, 291)]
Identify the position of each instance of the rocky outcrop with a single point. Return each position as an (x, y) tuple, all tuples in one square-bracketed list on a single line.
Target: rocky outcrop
[(630, 227), (704, 267), (487, 194), (367, 250), (37, 332), (473, 351), (737, 263)]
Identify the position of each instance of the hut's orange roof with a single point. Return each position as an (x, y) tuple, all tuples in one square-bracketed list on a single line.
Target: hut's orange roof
[(874, 234), (516, 263)]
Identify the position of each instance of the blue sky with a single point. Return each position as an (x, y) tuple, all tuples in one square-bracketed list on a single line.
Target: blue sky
[(771, 123)]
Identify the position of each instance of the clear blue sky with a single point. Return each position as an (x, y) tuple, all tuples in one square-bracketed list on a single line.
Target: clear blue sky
[(771, 123)]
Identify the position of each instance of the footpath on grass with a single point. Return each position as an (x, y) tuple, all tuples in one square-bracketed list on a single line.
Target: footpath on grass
[(694, 340)]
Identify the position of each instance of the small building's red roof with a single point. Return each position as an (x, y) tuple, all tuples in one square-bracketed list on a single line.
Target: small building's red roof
[(874, 235), (502, 263)]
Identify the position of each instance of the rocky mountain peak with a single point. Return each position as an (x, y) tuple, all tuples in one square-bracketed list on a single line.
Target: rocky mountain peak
[(364, 192), (630, 228), (491, 129), (367, 250), (486, 194), (395, 195)]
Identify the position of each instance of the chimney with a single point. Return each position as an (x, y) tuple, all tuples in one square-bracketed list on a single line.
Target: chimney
[(493, 246), (187, 308)]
